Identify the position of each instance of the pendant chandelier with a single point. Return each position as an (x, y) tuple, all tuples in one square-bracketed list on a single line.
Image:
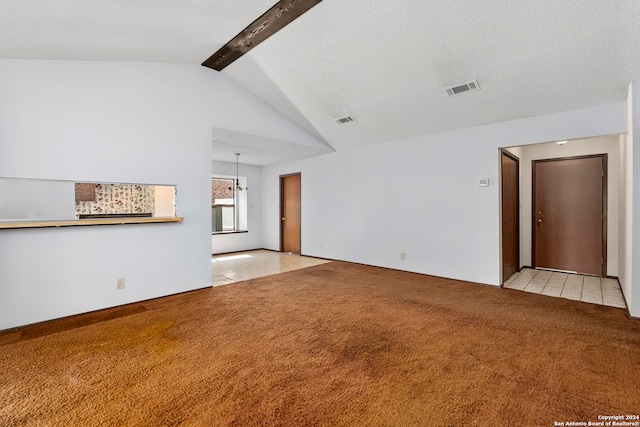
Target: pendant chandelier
[(238, 186)]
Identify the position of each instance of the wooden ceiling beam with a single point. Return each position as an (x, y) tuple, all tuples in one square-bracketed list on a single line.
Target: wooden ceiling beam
[(273, 20)]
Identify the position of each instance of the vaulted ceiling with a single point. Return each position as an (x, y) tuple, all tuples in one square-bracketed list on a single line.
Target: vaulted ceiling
[(383, 62)]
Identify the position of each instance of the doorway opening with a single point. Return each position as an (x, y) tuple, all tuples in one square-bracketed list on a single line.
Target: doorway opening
[(535, 273), (609, 145)]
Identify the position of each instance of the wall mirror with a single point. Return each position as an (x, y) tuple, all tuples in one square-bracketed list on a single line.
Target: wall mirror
[(33, 200)]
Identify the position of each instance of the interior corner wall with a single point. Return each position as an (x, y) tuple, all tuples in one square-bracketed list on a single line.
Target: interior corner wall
[(607, 144), (625, 214), (252, 239), (100, 121), (631, 284), (419, 195)]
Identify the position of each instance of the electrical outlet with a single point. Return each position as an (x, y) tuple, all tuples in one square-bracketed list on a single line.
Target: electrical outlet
[(401, 255), (120, 283)]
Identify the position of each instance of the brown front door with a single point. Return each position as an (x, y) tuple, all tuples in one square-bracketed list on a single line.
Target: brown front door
[(510, 215), (290, 213), (569, 214)]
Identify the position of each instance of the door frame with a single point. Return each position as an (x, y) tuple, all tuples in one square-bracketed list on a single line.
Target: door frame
[(605, 220), (517, 160), (282, 177)]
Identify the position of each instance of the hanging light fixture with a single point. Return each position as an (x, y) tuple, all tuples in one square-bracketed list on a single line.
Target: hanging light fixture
[(238, 187)]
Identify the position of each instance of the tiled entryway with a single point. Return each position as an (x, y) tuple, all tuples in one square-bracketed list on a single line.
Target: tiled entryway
[(239, 266), (593, 289)]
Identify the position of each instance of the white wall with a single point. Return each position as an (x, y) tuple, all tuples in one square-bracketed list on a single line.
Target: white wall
[(448, 225), (631, 283), (599, 145), (233, 242), (113, 122), (625, 215)]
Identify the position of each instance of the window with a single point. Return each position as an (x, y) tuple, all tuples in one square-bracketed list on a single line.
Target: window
[(228, 205)]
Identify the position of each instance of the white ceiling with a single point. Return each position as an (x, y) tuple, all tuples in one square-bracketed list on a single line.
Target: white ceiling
[(258, 150), (383, 62)]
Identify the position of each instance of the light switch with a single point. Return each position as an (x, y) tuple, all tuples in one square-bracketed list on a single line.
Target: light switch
[(483, 182)]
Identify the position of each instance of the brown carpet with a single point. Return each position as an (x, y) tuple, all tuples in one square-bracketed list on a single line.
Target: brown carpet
[(335, 344)]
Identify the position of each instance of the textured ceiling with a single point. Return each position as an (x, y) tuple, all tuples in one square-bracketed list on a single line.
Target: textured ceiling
[(383, 62)]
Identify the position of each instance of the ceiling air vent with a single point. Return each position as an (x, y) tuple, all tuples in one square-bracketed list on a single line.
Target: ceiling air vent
[(343, 120), (465, 87)]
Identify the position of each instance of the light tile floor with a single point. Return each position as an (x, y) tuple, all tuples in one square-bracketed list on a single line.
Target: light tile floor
[(239, 266), (593, 289)]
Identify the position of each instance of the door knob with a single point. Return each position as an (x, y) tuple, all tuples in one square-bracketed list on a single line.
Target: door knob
[(284, 219), (539, 220)]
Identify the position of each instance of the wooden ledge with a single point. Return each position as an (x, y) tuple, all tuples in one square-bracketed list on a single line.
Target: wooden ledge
[(77, 222)]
